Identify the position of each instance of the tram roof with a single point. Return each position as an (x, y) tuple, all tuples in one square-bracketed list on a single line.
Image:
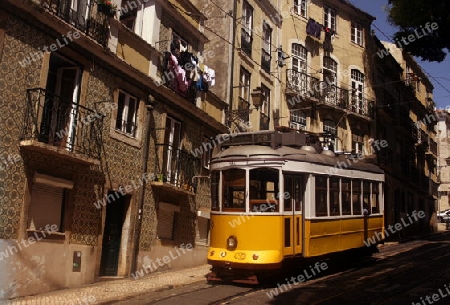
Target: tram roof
[(297, 153)]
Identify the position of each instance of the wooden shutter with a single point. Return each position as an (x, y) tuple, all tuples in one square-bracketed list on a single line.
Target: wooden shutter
[(45, 206)]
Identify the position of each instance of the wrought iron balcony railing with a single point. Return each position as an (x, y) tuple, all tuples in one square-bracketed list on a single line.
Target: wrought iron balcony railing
[(83, 15), (303, 84), (308, 86), (57, 122), (246, 41), (335, 95), (362, 106), (177, 167)]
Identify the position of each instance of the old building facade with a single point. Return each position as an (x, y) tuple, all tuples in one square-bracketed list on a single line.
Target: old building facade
[(443, 161), (99, 121)]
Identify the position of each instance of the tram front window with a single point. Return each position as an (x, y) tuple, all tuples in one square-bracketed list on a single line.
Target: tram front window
[(215, 177), (264, 190), (233, 187)]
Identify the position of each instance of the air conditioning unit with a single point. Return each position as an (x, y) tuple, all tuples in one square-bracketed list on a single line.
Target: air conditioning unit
[(297, 126)]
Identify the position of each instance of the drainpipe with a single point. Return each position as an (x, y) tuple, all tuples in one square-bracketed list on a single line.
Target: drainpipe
[(145, 153), (233, 47)]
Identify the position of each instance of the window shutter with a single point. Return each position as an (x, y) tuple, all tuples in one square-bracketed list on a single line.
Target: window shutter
[(165, 224), (45, 206)]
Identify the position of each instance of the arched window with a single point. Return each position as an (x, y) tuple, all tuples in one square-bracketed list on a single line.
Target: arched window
[(299, 58), (329, 70)]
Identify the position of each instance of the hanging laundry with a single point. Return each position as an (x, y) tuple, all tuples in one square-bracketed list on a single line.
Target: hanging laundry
[(179, 83), (209, 76), (327, 46), (313, 28)]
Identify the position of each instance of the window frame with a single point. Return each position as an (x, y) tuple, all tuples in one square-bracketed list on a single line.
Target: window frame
[(124, 113), (330, 18), (265, 106), (301, 8), (356, 33)]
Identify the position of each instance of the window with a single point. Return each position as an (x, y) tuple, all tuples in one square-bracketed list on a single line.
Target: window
[(128, 16), (297, 119), (247, 28), (172, 143), (233, 188), (300, 7), (48, 202), (329, 71), (357, 144), (293, 193), (346, 193), (267, 42), (244, 95), (299, 58), (374, 201), (321, 196), (334, 197), (264, 190), (366, 196), (127, 114), (184, 46), (357, 33), (299, 66), (167, 220), (356, 197), (265, 109), (357, 91), (329, 18)]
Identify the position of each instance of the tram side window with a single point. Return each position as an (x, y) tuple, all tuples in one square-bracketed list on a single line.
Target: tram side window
[(215, 190), (356, 197), (264, 190), (334, 197), (233, 186), (366, 195), (346, 197), (321, 196), (374, 203)]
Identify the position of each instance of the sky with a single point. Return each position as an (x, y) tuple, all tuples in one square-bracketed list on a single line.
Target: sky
[(439, 71)]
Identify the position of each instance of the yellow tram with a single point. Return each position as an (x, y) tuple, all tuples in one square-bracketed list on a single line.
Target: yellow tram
[(277, 196)]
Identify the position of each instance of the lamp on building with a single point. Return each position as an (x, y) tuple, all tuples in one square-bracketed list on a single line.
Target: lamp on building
[(257, 97)]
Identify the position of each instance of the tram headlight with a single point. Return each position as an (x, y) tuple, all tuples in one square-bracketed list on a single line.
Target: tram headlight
[(232, 242)]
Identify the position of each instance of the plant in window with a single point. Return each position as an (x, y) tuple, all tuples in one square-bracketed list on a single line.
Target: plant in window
[(107, 7)]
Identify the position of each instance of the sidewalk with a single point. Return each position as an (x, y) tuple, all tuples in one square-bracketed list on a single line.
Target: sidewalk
[(105, 292)]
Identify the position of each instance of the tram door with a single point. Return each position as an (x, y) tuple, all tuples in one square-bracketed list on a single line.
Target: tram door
[(292, 216)]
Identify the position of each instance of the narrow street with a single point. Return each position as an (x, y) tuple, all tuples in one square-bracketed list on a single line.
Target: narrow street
[(417, 271)]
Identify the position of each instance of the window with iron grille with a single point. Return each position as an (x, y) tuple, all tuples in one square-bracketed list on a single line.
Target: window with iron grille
[(357, 33), (329, 70), (300, 7), (127, 114)]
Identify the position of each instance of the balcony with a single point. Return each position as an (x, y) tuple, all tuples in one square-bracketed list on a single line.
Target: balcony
[(62, 127), (176, 170), (265, 60), (333, 95), (299, 83), (246, 42), (361, 106), (82, 15)]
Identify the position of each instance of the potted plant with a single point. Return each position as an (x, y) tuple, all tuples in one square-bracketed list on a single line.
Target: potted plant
[(107, 7)]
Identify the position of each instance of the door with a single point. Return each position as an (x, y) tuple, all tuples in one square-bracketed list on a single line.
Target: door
[(112, 235), (67, 90), (293, 216)]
